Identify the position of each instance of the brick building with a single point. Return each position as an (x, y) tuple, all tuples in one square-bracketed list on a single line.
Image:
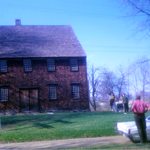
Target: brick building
[(42, 68)]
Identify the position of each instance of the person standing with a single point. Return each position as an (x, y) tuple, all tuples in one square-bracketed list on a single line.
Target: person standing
[(139, 108), (112, 99), (125, 102)]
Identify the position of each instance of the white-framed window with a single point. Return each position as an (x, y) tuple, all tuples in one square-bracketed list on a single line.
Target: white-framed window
[(75, 91), (3, 65), (50, 65), (3, 94), (73, 65), (27, 65), (52, 92)]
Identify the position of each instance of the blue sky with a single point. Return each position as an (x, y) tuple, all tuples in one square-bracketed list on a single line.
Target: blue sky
[(107, 37)]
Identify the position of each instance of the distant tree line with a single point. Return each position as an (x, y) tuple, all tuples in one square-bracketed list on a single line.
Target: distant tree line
[(135, 79)]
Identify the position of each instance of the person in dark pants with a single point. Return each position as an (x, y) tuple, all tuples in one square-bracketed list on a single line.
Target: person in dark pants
[(139, 108), (112, 99), (125, 102)]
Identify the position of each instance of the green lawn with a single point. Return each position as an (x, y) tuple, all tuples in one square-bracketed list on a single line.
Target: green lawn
[(21, 128), (115, 147)]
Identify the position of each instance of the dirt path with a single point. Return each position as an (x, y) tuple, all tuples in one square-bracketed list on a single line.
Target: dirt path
[(70, 143)]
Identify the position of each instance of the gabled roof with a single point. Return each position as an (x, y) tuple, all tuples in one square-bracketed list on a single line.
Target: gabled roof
[(39, 41)]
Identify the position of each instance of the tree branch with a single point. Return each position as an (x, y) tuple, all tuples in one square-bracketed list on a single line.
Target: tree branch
[(140, 10)]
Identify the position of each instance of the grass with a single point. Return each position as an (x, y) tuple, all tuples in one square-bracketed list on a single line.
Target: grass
[(23, 128), (115, 147)]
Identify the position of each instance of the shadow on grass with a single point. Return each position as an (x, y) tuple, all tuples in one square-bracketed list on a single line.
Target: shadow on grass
[(38, 121), (47, 126), (63, 121), (12, 120), (42, 125)]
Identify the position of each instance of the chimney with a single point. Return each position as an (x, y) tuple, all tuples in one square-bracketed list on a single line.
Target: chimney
[(18, 22)]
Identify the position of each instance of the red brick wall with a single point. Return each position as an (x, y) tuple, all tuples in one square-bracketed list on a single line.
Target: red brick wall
[(40, 77)]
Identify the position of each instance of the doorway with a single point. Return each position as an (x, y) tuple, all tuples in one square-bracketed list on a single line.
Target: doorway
[(29, 100)]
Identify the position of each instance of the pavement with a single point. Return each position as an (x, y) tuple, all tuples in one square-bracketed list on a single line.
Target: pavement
[(64, 144)]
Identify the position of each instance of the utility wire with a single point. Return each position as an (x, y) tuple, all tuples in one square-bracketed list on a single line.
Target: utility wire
[(116, 51), (126, 47), (66, 11), (60, 11)]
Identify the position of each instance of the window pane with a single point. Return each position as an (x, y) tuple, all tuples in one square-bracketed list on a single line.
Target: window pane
[(52, 92), (50, 65), (27, 65), (4, 94), (75, 91), (73, 65), (3, 65)]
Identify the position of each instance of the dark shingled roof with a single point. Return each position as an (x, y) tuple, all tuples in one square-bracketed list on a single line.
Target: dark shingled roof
[(39, 41)]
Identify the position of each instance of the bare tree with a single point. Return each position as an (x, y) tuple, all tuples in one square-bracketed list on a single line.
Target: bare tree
[(122, 82), (134, 79), (115, 81), (141, 76), (141, 10), (94, 80), (144, 77), (108, 82)]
